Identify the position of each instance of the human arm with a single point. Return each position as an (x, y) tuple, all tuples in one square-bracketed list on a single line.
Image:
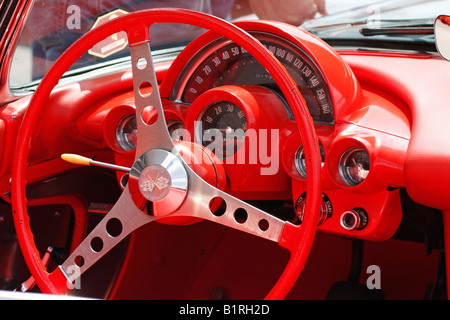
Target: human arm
[(290, 11)]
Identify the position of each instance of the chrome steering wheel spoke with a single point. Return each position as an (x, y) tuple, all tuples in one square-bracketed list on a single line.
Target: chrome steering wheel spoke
[(207, 202), (151, 124), (123, 219)]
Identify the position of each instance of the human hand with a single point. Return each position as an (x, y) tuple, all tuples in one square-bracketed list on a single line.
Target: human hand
[(290, 11)]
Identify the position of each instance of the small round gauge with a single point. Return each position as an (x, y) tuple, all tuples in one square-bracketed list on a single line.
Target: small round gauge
[(222, 128), (300, 163), (326, 208), (176, 129), (354, 166), (126, 132)]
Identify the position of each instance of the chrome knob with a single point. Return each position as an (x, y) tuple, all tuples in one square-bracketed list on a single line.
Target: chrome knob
[(355, 219), (326, 208)]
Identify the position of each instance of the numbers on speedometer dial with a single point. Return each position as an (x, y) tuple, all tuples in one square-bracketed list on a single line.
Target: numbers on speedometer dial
[(222, 127), (224, 62)]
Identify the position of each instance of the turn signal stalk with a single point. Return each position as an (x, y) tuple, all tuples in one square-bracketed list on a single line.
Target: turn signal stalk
[(83, 161)]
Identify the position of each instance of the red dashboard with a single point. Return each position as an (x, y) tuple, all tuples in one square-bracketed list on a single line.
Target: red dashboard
[(228, 154), (379, 118)]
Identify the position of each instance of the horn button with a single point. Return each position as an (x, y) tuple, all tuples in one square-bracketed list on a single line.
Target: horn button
[(158, 176), (158, 179), (155, 182)]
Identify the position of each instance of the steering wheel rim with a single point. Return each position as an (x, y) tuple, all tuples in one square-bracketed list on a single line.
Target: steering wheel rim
[(297, 239)]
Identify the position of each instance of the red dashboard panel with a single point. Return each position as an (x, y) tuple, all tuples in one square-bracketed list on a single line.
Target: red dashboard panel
[(420, 83)]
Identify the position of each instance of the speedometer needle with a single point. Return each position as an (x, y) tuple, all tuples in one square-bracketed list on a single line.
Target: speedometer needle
[(80, 160)]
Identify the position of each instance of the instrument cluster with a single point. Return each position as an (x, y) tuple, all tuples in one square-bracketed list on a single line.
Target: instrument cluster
[(220, 97)]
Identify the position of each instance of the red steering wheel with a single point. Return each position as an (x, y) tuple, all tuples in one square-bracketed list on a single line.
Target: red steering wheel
[(155, 151)]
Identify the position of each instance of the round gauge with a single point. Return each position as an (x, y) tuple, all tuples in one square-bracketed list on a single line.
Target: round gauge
[(354, 166), (126, 132), (326, 208), (176, 129), (224, 63), (300, 163), (222, 128)]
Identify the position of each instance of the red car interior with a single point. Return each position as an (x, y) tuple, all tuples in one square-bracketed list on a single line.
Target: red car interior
[(388, 106)]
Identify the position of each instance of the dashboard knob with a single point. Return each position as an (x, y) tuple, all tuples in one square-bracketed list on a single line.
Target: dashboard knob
[(326, 208), (355, 219)]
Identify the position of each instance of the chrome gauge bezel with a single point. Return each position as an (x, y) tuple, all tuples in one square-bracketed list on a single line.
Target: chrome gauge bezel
[(200, 127), (344, 168), (176, 129), (299, 162), (121, 134)]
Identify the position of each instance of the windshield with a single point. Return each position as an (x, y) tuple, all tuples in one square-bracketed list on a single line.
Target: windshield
[(53, 25)]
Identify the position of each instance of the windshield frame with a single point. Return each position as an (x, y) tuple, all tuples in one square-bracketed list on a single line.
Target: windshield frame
[(89, 20), (355, 42), (415, 36), (18, 10)]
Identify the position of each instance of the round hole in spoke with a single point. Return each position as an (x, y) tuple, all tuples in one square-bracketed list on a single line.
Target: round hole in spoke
[(217, 206), (263, 225), (114, 227), (240, 215), (124, 180), (145, 89), (141, 63), (97, 244), (79, 261), (149, 115)]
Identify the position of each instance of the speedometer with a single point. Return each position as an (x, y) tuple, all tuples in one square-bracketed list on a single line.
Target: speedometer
[(223, 128), (223, 62)]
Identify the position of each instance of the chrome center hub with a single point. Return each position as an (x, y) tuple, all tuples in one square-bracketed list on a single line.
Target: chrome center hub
[(160, 177), (155, 182)]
